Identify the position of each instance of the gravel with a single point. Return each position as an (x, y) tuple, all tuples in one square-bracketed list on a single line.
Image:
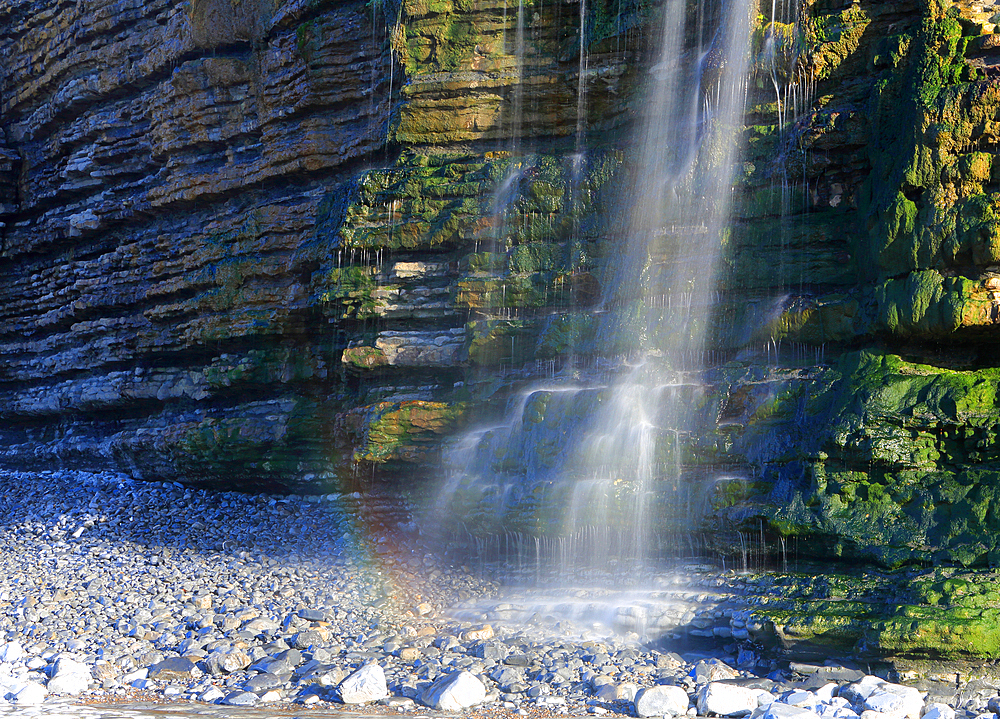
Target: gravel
[(109, 586), (116, 590)]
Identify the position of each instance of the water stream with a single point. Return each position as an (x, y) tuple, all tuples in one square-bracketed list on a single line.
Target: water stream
[(580, 470)]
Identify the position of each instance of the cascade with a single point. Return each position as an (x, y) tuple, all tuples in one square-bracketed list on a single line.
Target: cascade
[(585, 491)]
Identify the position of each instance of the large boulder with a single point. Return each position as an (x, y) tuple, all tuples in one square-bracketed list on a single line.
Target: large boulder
[(69, 677), (896, 700), (365, 685), (665, 701), (454, 692)]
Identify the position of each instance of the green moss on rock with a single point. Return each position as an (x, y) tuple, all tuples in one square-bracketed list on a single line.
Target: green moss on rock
[(903, 614), (884, 460), (363, 358), (407, 431)]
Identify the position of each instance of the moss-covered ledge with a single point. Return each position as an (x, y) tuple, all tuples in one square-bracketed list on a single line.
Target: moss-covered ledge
[(883, 460), (919, 614)]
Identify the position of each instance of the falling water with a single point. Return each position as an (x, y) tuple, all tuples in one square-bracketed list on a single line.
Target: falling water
[(581, 83), (506, 190), (679, 211), (793, 84), (595, 491)]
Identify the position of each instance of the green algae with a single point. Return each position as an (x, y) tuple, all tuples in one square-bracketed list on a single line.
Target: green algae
[(496, 341), (535, 257), (260, 451), (363, 358), (935, 614), (903, 466), (351, 289), (262, 367), (402, 431), (564, 334)]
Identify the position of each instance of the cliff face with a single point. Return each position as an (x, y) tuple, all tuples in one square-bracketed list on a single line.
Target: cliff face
[(165, 166), (886, 451), (239, 239), (295, 244)]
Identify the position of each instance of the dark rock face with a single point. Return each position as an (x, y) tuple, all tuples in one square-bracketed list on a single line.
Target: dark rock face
[(223, 262), (290, 244), (886, 452), (164, 170)]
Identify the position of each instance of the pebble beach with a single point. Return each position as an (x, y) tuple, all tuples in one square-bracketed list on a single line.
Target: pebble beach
[(125, 598)]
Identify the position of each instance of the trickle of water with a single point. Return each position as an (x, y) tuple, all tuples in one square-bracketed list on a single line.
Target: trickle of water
[(518, 104), (581, 82)]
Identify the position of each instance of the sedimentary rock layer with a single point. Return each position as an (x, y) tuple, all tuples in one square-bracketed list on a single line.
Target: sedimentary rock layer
[(303, 243), (198, 256)]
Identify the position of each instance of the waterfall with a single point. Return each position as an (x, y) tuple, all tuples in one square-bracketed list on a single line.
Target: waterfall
[(593, 490), (663, 290)]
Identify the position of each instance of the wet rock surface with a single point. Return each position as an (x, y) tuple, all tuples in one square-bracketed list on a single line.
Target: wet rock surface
[(113, 590)]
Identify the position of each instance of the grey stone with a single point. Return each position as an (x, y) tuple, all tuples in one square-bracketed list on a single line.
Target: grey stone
[(225, 661), (293, 656), (280, 667), (398, 702), (69, 677), (661, 701), (454, 692), (712, 670), (212, 694), (938, 710), (71, 684), (263, 682), (31, 694), (260, 626), (321, 654), (856, 692), (780, 710), (277, 646), (11, 652), (241, 699), (174, 668), (494, 651), (507, 676), (836, 673), (306, 639), (896, 700), (726, 699), (104, 670), (608, 692), (365, 685), (800, 698), (826, 693)]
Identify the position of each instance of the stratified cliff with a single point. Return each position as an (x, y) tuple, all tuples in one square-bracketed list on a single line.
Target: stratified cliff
[(242, 241), (167, 168), (253, 243)]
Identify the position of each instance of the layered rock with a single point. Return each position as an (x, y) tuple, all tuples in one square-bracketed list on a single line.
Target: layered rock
[(218, 265), (252, 244)]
